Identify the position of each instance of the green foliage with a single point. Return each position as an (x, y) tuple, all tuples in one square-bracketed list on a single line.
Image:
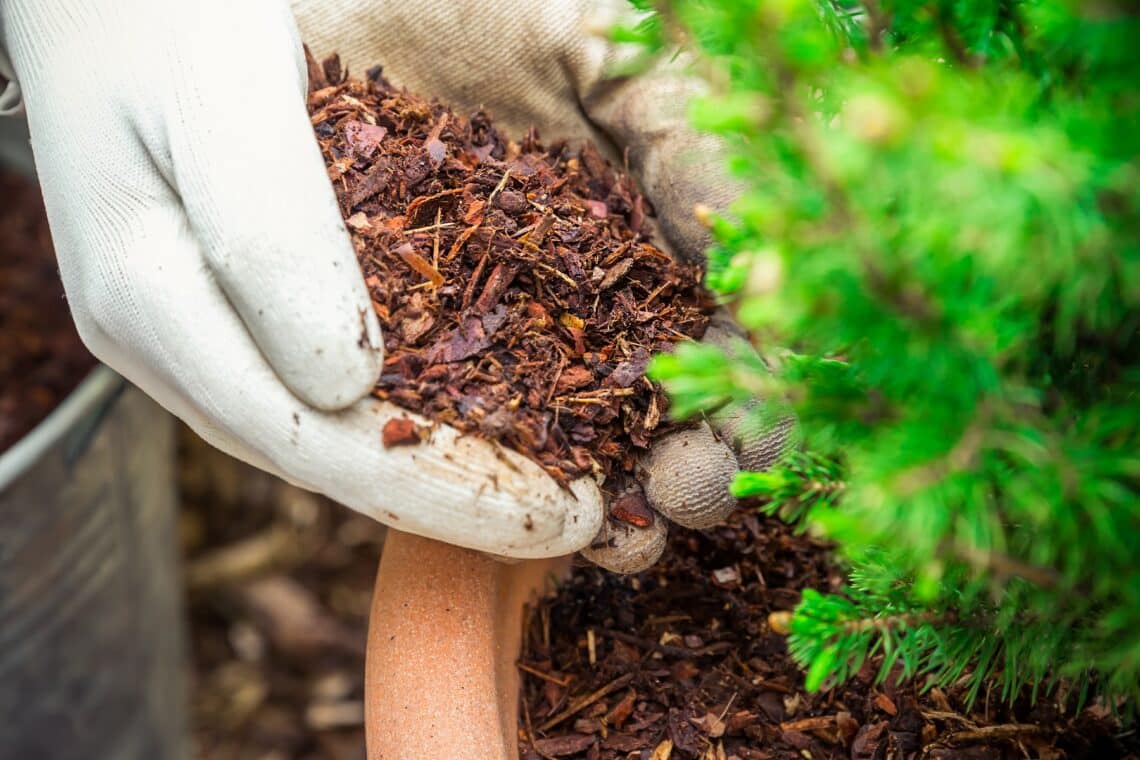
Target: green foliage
[(942, 222), (802, 484)]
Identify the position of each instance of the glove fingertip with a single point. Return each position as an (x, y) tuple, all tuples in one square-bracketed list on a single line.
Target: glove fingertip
[(624, 549), (687, 476), (337, 375), (759, 439)]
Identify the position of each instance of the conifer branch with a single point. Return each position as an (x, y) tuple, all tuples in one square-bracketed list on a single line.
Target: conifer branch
[(950, 36), (1002, 566), (967, 243)]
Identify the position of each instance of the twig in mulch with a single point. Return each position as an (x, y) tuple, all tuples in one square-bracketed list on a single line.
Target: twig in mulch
[(1003, 732), (530, 728), (809, 724), (583, 702), (563, 682)]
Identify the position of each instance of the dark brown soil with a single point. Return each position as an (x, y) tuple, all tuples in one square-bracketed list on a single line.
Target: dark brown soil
[(41, 356), (683, 657), (280, 583), (515, 282)]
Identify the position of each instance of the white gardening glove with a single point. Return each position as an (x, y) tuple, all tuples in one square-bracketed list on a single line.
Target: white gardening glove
[(204, 258), (549, 65)]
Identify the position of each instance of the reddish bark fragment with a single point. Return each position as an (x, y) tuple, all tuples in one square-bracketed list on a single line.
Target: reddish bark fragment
[(632, 508), (574, 376), (363, 138), (497, 283), (620, 713), (400, 431), (465, 340), (562, 746), (374, 181)]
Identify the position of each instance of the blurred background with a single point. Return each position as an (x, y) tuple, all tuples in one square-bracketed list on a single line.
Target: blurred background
[(279, 583)]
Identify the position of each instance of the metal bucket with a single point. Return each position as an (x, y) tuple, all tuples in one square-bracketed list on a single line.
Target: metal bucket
[(92, 628)]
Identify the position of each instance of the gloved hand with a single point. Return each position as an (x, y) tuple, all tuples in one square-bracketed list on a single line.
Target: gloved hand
[(549, 65), (205, 259)]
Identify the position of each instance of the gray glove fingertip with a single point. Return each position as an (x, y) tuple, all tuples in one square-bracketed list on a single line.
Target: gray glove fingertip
[(624, 548), (724, 333), (686, 477), (759, 441), (759, 444)]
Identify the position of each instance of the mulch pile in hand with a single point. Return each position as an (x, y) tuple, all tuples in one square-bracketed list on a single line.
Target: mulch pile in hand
[(518, 290)]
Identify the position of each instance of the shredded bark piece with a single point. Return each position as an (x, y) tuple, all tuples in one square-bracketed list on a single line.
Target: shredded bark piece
[(400, 432)]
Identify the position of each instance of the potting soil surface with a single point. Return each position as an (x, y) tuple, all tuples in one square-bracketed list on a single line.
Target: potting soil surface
[(280, 583), (41, 356), (680, 662)]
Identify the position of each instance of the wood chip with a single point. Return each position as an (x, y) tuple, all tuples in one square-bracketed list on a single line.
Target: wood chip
[(400, 431)]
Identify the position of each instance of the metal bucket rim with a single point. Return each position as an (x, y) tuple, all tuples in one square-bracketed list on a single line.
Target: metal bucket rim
[(100, 383)]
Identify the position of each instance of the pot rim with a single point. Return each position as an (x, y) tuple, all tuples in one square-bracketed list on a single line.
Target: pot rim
[(99, 384)]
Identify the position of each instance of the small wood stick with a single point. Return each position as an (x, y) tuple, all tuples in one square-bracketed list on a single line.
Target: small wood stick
[(583, 702), (991, 733), (498, 189), (563, 682), (435, 241)]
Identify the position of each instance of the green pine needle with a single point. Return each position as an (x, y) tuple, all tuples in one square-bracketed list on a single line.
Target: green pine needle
[(941, 220)]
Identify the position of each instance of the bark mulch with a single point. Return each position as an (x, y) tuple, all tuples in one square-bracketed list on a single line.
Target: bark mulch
[(680, 662), (280, 581), (518, 291), (41, 356)]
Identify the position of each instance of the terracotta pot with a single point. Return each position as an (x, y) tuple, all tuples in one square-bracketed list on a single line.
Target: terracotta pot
[(444, 637)]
